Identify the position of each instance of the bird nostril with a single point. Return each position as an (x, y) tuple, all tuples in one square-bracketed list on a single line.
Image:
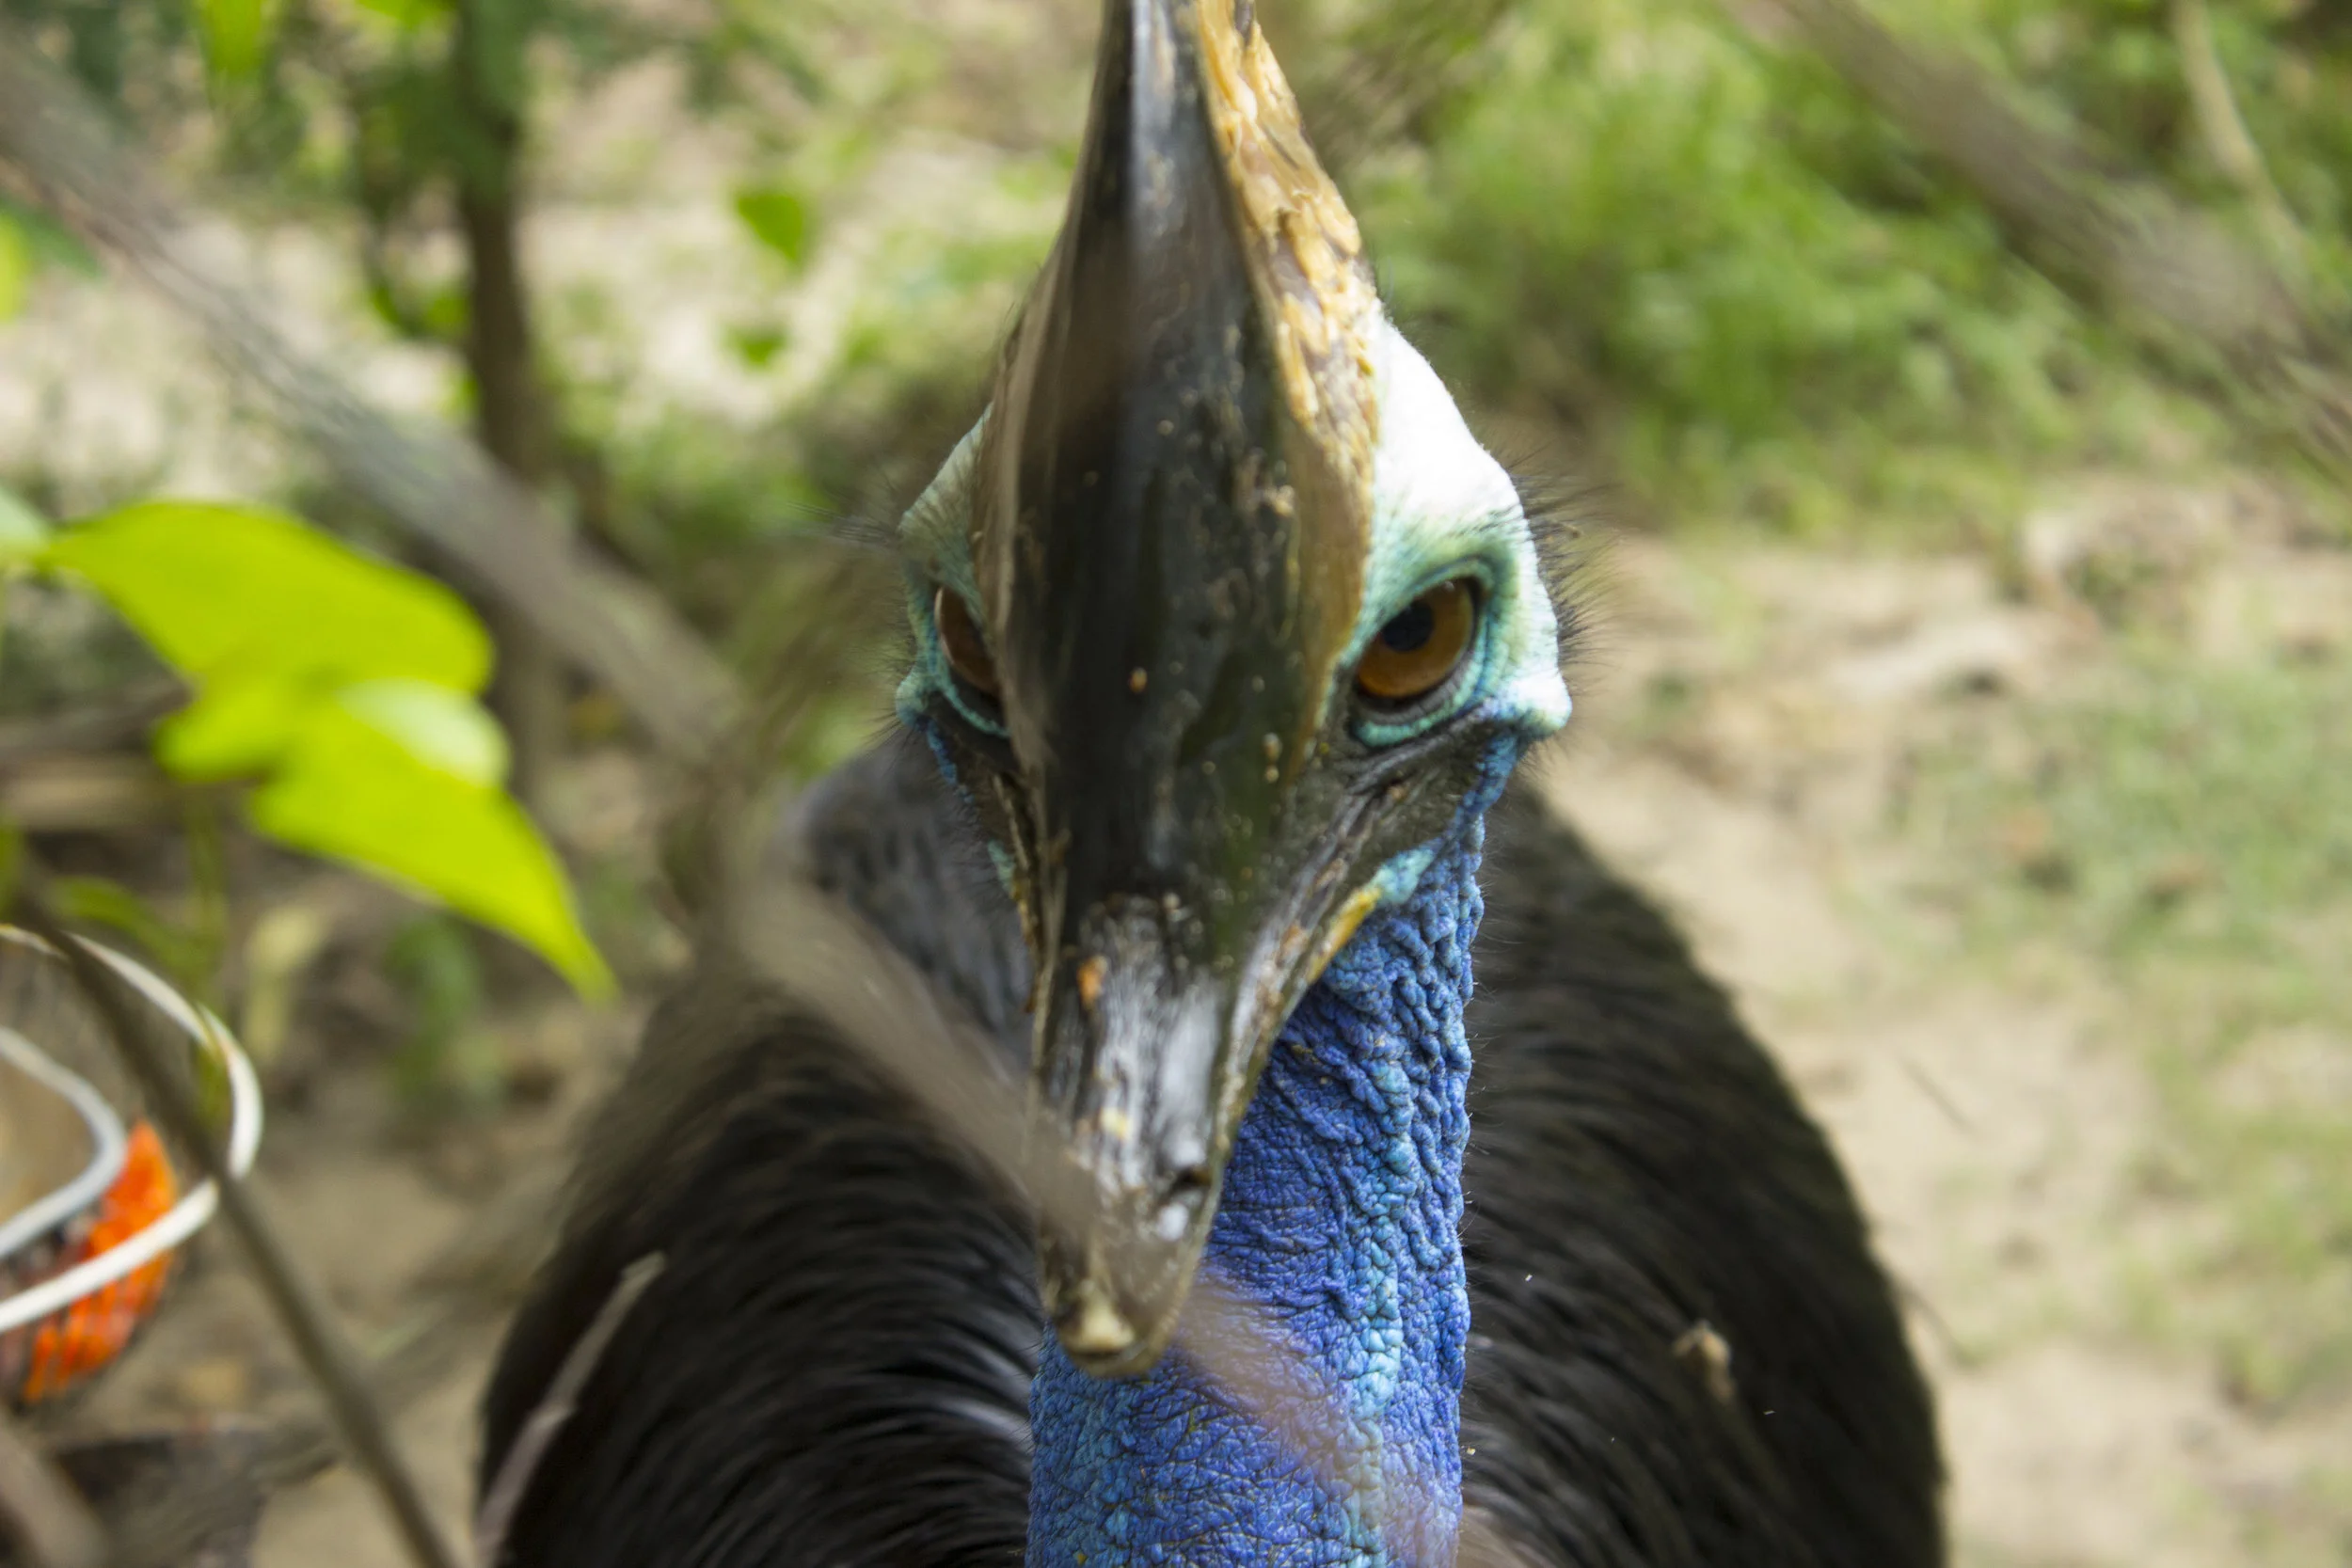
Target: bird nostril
[(1181, 1197)]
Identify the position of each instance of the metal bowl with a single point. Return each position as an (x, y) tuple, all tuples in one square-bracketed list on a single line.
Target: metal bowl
[(91, 1207)]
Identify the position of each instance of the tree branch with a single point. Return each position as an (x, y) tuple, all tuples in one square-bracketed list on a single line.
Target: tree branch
[(2227, 140)]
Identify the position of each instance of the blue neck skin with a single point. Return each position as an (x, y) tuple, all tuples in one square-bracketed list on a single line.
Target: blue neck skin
[(1341, 1217)]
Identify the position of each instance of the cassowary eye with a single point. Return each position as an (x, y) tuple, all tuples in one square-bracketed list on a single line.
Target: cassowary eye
[(960, 636), (1421, 646)]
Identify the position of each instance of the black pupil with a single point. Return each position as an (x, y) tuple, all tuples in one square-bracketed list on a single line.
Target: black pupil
[(1410, 629)]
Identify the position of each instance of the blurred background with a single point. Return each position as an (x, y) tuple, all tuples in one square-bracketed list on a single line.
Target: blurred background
[(1958, 396)]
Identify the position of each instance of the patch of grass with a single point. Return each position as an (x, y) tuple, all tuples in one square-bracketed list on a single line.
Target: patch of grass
[(2187, 828), (1782, 308), (1708, 257)]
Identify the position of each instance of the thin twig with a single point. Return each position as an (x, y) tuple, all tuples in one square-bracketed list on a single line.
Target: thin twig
[(365, 1434), (468, 1284), (1935, 1091), (505, 1492), (2227, 140), (41, 1511)]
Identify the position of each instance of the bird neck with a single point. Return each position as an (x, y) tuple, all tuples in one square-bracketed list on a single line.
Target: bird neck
[(1341, 1219)]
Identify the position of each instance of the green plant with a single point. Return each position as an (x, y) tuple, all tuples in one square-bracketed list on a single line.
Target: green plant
[(1696, 245), (342, 690), (446, 1054)]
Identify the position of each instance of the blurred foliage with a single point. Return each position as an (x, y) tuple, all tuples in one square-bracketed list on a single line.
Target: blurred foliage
[(1655, 226), (779, 219), (446, 1056), (1701, 251), (16, 267), (346, 688), (29, 241)]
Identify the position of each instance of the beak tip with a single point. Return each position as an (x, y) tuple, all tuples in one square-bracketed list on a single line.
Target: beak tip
[(1097, 1331)]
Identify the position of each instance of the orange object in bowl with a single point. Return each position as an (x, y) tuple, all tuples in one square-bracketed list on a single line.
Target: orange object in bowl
[(92, 1210), (82, 1338)]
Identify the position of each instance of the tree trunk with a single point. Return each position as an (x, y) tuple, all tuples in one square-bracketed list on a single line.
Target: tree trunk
[(511, 415)]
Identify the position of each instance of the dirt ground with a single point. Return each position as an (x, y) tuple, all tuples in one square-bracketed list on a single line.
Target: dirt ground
[(1994, 1131)]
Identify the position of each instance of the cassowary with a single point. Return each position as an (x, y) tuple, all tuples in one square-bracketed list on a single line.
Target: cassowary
[(1228, 638)]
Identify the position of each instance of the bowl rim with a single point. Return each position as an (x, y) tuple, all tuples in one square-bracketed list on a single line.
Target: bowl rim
[(109, 1145), (195, 1209)]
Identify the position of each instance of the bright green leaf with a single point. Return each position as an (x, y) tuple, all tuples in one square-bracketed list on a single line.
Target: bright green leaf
[(16, 267), (11, 859), (24, 532), (406, 14), (46, 243), (438, 727), (233, 588), (238, 726), (758, 346), (236, 34), (778, 218), (350, 791)]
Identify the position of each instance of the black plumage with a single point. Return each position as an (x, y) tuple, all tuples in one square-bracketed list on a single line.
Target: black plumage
[(833, 1368)]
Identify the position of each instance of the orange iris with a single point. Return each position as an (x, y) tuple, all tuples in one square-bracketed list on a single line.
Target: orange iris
[(1421, 646), (959, 637)]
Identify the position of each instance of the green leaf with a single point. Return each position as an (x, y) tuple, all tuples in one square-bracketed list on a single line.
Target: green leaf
[(438, 727), (237, 35), (46, 243), (238, 726), (16, 267), (24, 532), (352, 791), (221, 588), (347, 681), (758, 346), (778, 218), (407, 15), (11, 860)]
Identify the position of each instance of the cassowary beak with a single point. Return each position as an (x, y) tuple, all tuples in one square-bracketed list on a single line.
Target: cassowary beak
[(1169, 533)]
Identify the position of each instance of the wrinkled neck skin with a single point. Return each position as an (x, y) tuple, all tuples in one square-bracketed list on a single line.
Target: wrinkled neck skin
[(1341, 1219)]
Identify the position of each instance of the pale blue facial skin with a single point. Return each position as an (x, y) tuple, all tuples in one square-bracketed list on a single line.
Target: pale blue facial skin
[(1442, 508)]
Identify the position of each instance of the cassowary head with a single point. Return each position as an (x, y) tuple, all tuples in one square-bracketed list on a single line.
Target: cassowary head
[(1223, 621)]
